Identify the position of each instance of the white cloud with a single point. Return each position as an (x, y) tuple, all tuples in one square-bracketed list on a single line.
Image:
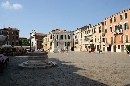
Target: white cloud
[(7, 5)]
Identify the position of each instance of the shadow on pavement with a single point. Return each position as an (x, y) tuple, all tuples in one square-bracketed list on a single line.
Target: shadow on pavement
[(62, 75)]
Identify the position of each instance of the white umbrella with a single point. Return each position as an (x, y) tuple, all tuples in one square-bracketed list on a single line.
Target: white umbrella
[(6, 46)]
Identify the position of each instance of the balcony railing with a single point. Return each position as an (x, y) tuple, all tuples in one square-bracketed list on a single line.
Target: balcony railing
[(51, 40), (89, 34), (86, 39), (86, 42), (118, 31)]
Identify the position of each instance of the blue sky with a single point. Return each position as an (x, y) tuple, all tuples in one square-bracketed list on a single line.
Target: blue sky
[(45, 15)]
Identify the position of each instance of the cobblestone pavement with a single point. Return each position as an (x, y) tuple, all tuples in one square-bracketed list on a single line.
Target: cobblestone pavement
[(74, 69)]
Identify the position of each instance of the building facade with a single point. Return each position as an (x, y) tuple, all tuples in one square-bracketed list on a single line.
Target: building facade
[(77, 40), (117, 31), (36, 40), (47, 42), (12, 36), (61, 40)]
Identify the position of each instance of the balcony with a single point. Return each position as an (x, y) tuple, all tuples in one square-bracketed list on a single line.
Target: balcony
[(86, 38), (85, 34), (86, 42), (119, 31), (51, 40), (89, 34)]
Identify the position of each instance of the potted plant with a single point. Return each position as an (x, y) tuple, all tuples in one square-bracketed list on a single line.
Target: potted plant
[(92, 47), (127, 49)]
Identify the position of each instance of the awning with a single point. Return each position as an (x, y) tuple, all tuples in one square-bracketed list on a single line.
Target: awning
[(9, 46)]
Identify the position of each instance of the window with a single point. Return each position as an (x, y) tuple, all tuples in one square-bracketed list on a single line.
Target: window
[(7, 32), (12, 43), (116, 28), (7, 36), (12, 37), (118, 46), (17, 33), (114, 39), (81, 36), (105, 22), (120, 26), (68, 37), (65, 43), (126, 26), (12, 32), (68, 43), (2, 32), (95, 39), (65, 36), (16, 37), (121, 17), (57, 36), (111, 40), (126, 38), (111, 29), (110, 20), (103, 39), (105, 30), (61, 36), (85, 32), (57, 43), (100, 29), (125, 15), (121, 38), (51, 37), (76, 37), (94, 30), (114, 19)]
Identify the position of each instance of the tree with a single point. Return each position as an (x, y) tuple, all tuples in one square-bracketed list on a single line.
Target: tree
[(25, 42), (128, 48)]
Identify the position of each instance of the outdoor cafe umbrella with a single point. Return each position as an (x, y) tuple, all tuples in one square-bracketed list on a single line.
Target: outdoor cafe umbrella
[(6, 46)]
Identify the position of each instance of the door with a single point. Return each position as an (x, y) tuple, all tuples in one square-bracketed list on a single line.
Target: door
[(114, 48), (97, 47), (122, 48)]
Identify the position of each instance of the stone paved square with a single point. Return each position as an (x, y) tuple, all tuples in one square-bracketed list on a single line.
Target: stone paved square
[(74, 69)]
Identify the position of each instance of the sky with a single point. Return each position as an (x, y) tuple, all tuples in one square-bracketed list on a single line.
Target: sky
[(46, 15)]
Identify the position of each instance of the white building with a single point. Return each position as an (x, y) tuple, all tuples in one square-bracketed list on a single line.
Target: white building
[(77, 40), (61, 39), (33, 39)]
